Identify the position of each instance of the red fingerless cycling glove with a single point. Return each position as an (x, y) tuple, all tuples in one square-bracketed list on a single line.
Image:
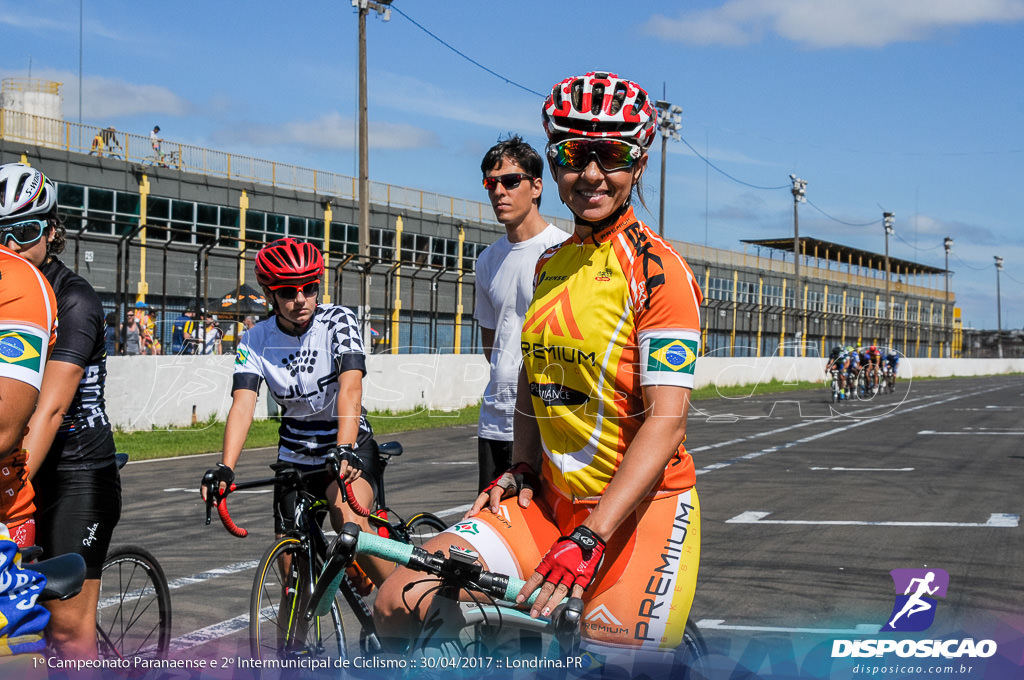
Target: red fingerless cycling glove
[(573, 559)]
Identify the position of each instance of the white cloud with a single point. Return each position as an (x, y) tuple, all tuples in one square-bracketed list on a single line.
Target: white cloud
[(106, 98), (831, 23), (422, 99), (332, 131)]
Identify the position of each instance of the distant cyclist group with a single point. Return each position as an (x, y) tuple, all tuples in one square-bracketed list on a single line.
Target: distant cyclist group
[(597, 481), (857, 372)]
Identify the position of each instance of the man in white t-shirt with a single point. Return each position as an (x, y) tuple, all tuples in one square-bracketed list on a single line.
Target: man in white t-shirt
[(512, 172)]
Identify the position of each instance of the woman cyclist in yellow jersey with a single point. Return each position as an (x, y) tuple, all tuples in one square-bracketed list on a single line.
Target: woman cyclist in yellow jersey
[(599, 501)]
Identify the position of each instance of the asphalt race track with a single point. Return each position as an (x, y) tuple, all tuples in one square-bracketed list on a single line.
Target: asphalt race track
[(805, 512)]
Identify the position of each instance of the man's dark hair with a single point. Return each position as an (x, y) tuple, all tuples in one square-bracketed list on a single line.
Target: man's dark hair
[(515, 149)]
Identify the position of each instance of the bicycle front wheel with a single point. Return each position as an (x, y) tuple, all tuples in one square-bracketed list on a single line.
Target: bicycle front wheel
[(423, 527), (691, 655), (133, 617), (280, 594)]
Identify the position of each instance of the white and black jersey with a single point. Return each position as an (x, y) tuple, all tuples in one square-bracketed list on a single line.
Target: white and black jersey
[(301, 373)]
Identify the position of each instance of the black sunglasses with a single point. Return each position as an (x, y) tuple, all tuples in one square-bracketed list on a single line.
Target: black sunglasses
[(509, 181), (291, 292)]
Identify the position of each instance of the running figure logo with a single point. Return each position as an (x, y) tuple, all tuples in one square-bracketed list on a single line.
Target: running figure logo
[(914, 608)]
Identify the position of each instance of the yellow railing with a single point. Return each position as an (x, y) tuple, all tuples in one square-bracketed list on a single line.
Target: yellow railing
[(16, 126)]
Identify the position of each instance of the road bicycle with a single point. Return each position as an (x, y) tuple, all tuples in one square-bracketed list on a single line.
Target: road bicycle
[(133, 617), (287, 575), (489, 634), (834, 385)]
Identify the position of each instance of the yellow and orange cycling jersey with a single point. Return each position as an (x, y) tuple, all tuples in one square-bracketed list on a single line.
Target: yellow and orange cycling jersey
[(28, 324), (609, 316)]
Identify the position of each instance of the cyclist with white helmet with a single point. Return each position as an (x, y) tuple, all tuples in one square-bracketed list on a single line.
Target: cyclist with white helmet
[(311, 358), (28, 320), (69, 443), (600, 499)]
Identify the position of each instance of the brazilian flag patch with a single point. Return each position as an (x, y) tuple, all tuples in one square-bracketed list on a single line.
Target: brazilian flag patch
[(21, 349), (672, 355), (241, 356)]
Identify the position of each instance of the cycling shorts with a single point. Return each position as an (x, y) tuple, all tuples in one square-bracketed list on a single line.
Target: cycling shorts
[(76, 512), (643, 591), (284, 502)]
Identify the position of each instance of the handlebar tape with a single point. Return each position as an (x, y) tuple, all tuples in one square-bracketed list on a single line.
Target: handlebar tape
[(353, 502), (401, 553), (225, 516)]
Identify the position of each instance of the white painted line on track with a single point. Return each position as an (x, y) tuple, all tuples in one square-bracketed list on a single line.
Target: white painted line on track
[(997, 519), (848, 469), (184, 581), (930, 401), (210, 633), (859, 629), (179, 489), (973, 433)]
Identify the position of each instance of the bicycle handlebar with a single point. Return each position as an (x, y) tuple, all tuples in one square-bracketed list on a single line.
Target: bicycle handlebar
[(459, 569), (215, 498)]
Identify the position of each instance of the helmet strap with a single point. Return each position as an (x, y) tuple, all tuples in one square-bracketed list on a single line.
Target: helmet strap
[(601, 225), (290, 328)]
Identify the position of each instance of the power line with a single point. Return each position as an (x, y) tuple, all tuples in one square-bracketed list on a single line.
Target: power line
[(723, 172), (706, 160), (977, 269), (836, 219), (463, 55), (938, 245)]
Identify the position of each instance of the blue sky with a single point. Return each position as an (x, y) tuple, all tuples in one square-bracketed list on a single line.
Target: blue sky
[(913, 106)]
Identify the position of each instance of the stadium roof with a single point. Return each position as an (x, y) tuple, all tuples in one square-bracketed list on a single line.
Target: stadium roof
[(837, 252)]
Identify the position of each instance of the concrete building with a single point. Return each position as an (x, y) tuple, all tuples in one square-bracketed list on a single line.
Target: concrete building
[(181, 229)]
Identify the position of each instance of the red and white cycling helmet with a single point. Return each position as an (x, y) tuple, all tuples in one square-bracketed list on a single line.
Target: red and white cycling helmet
[(600, 104), (287, 262), (25, 192)]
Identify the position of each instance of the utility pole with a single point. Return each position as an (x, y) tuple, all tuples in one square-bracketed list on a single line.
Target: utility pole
[(669, 123), (999, 307), (799, 196), (382, 8), (948, 314), (888, 221)]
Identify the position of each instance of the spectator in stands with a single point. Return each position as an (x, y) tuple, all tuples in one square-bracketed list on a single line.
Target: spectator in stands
[(132, 334), (155, 141), (183, 333), (110, 334), (212, 336)]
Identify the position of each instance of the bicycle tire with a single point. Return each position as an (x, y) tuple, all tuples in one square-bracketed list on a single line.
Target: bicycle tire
[(424, 526), (277, 627), (691, 654), (133, 619)]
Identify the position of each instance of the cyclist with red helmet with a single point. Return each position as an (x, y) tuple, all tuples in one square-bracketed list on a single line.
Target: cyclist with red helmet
[(311, 358), (874, 367), (600, 501)]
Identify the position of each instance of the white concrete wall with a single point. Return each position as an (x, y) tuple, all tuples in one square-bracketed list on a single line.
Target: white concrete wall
[(147, 392)]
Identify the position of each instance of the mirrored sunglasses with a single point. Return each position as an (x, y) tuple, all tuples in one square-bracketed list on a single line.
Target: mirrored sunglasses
[(509, 181), (23, 233), (291, 292), (610, 154)]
